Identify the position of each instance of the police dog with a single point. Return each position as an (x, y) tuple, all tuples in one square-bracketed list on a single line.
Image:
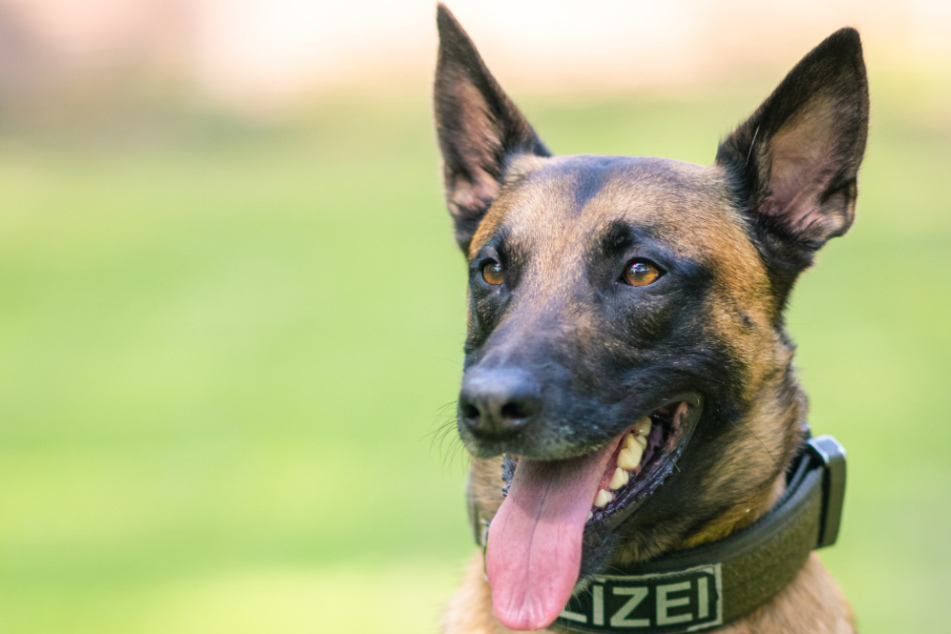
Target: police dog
[(617, 298)]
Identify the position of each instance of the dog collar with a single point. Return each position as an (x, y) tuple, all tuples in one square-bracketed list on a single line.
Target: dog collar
[(718, 582)]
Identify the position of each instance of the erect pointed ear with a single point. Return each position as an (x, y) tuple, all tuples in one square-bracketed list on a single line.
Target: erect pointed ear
[(478, 126), (796, 159)]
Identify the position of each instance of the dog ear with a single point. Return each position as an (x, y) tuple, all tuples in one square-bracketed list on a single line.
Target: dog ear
[(478, 126), (796, 159)]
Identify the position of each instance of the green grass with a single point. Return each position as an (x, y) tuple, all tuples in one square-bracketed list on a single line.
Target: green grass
[(226, 358)]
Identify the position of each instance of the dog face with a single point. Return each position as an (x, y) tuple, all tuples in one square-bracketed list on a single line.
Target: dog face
[(628, 383)]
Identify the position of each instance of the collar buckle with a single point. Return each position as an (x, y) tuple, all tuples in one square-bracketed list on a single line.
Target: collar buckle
[(831, 454)]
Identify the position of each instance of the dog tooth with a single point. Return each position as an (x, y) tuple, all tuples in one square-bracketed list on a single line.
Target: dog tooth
[(630, 457), (641, 441), (619, 479), (630, 441), (604, 496), (590, 515), (643, 426)]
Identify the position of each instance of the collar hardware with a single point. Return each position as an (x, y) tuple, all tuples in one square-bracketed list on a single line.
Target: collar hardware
[(832, 455)]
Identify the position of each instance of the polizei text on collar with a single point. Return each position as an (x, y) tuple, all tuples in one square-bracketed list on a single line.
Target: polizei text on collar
[(681, 601)]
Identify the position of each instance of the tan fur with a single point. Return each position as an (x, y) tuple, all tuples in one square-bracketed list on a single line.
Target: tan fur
[(743, 514)]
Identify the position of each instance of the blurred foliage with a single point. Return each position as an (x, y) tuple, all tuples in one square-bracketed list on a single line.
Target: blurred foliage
[(230, 355)]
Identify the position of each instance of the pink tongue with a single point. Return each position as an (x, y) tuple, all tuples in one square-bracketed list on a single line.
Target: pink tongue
[(534, 551)]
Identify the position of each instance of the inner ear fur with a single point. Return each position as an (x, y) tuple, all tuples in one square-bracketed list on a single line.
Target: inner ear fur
[(795, 161), (478, 127)]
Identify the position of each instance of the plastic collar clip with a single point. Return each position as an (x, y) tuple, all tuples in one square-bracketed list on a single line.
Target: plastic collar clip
[(831, 454)]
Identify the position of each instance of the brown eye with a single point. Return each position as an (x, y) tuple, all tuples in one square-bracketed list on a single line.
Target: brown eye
[(492, 273), (641, 273)]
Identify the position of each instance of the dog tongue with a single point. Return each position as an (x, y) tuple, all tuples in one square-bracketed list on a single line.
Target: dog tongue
[(534, 551)]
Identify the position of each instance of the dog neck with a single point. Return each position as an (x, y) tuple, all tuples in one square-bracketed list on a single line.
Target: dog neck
[(738, 516)]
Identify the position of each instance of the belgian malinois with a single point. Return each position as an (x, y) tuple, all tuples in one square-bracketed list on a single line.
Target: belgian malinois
[(628, 388)]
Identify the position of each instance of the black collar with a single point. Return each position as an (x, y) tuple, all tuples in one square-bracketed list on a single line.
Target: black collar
[(721, 581)]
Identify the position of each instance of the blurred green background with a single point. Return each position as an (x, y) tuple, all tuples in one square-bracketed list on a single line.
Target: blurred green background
[(230, 352)]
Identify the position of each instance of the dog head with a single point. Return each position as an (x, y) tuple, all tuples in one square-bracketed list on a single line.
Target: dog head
[(625, 351)]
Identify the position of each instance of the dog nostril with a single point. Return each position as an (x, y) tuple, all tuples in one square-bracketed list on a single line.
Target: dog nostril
[(469, 411), (514, 411)]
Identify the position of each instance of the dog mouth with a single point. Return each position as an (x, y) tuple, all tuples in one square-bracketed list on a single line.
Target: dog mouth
[(558, 514)]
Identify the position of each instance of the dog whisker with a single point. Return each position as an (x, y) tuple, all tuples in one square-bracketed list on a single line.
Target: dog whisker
[(444, 440)]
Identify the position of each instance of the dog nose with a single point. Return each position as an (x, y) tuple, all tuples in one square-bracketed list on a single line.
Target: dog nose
[(494, 404)]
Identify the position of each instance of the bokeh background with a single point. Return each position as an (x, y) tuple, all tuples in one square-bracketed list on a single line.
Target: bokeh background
[(231, 313)]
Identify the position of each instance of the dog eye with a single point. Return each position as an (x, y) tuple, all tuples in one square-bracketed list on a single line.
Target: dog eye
[(641, 273), (492, 273)]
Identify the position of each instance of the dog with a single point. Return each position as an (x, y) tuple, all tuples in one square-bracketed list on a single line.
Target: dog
[(628, 391)]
